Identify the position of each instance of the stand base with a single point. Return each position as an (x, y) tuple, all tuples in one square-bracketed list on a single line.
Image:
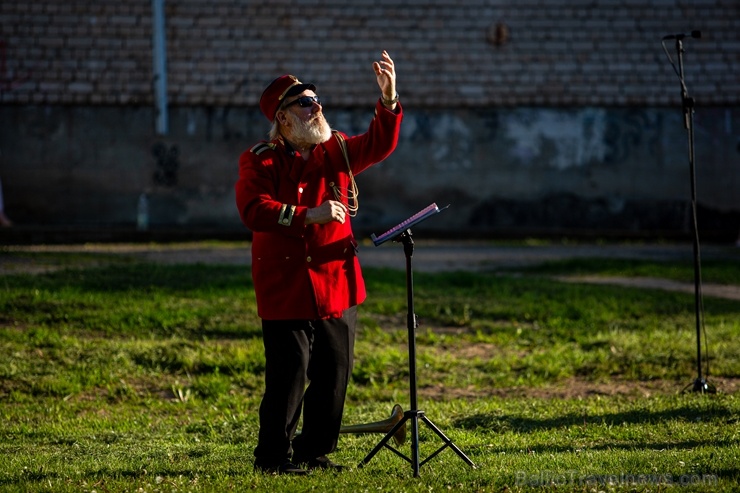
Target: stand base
[(415, 416), (700, 385)]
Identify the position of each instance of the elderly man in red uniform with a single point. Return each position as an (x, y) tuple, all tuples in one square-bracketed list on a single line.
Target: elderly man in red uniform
[(296, 193)]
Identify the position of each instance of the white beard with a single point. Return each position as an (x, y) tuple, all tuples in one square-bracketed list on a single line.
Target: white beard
[(314, 131)]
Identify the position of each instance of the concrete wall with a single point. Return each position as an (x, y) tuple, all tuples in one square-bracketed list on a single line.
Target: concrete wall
[(508, 170), (527, 116)]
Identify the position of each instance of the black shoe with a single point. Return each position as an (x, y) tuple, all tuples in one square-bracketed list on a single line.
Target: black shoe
[(321, 462), (286, 467)]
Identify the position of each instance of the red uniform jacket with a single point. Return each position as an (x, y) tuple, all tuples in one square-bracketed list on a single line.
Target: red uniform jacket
[(306, 271)]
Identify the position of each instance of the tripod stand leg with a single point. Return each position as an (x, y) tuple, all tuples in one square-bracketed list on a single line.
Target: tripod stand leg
[(701, 386), (447, 441), (416, 464), (384, 442)]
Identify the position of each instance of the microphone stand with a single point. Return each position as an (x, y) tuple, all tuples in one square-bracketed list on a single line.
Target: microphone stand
[(700, 384)]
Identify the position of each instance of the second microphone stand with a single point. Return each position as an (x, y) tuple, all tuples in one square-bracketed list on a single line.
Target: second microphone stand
[(700, 384)]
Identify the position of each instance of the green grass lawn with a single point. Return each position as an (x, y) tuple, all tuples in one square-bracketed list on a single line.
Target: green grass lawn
[(118, 375)]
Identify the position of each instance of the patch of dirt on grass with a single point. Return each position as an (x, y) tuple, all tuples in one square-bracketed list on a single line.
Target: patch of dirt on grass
[(578, 387), (731, 292)]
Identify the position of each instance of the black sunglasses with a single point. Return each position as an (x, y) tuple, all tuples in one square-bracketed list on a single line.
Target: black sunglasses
[(304, 102)]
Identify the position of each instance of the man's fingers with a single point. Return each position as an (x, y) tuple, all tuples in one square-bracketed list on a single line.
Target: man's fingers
[(341, 211)]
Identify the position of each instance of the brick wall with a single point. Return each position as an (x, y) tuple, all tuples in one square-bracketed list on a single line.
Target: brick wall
[(449, 53)]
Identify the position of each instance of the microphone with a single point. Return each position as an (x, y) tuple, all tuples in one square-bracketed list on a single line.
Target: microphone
[(694, 34)]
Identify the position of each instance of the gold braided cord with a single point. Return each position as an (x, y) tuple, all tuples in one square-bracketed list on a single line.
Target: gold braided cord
[(353, 205), (352, 193)]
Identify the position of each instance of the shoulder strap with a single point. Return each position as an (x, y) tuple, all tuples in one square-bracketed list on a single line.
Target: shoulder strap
[(261, 147)]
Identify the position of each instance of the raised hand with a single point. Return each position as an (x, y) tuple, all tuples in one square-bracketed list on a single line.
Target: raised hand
[(385, 72)]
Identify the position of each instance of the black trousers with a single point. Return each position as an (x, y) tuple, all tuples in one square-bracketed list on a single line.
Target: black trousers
[(308, 366)]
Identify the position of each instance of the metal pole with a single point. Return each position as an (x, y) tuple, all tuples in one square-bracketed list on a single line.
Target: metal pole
[(408, 247), (160, 67)]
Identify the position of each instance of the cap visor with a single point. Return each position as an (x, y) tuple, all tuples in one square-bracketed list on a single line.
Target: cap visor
[(299, 88)]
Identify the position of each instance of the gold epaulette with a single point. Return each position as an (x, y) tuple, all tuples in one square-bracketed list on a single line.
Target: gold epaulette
[(262, 147)]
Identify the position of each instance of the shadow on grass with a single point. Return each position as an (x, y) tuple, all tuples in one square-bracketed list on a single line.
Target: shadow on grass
[(519, 424), (603, 445)]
